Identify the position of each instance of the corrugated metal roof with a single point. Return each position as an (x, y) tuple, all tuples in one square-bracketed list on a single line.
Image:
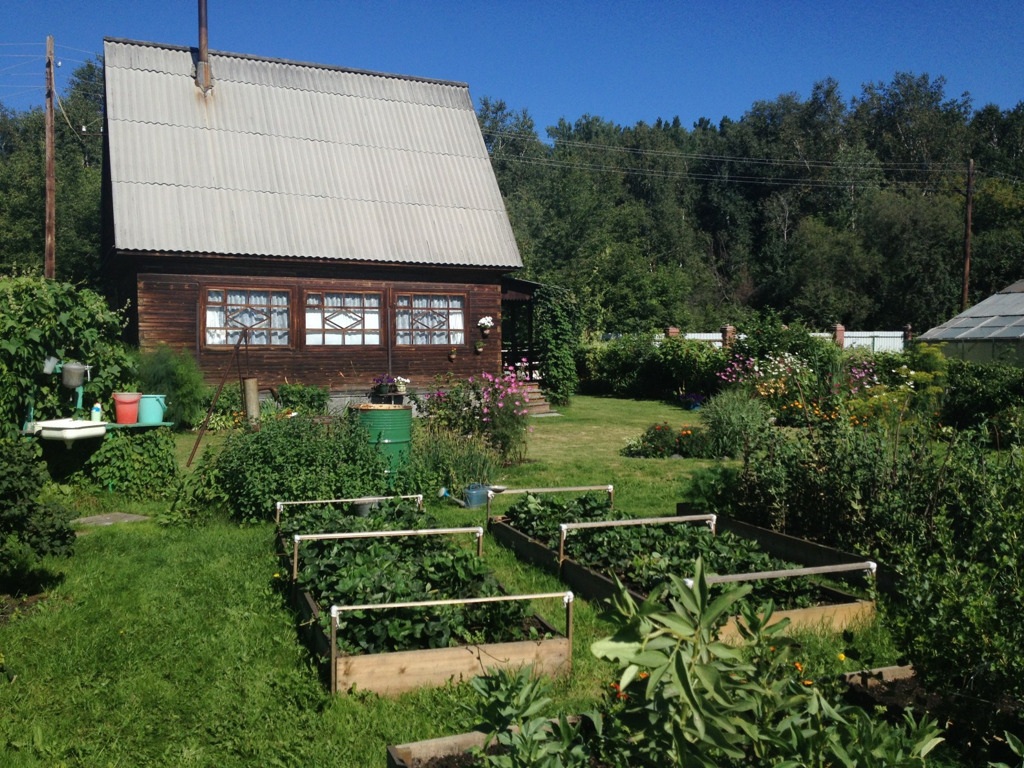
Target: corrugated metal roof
[(293, 159), (1000, 316)]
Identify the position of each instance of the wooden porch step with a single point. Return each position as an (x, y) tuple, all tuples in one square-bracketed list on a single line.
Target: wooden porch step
[(537, 402)]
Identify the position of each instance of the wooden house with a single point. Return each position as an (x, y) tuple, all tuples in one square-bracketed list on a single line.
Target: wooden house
[(332, 224)]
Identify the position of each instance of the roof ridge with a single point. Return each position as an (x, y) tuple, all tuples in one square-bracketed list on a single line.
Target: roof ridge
[(289, 62)]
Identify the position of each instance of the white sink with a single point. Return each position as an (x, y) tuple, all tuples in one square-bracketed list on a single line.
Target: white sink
[(70, 430)]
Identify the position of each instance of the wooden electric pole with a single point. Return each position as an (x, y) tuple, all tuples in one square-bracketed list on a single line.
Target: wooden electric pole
[(50, 247), (967, 234)]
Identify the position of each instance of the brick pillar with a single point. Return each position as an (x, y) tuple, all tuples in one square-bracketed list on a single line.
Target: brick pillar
[(839, 335), (728, 335)]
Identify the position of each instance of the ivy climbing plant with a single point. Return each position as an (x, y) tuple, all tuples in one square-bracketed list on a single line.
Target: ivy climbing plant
[(557, 336)]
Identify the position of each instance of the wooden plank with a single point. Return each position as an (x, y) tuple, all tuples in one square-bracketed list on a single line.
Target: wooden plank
[(406, 755), (834, 618), (400, 671)]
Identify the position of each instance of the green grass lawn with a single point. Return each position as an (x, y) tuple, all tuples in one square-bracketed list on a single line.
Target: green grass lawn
[(174, 647)]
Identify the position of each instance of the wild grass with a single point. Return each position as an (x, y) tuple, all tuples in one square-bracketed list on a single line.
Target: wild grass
[(175, 647)]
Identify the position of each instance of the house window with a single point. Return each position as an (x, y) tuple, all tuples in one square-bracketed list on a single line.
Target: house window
[(430, 318), (262, 315), (342, 319)]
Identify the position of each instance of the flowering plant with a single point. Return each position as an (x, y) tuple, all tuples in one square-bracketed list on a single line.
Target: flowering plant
[(385, 379), (401, 380), (486, 322)]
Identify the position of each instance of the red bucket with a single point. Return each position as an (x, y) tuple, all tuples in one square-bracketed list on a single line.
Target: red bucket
[(126, 406)]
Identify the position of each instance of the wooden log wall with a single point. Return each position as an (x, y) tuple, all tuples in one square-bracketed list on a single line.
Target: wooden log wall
[(170, 293)]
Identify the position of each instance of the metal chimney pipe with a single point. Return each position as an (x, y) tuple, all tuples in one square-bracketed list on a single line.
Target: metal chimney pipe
[(203, 79)]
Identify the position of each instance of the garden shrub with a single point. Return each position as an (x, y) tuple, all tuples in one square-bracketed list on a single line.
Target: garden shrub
[(491, 407), (163, 370), (304, 399), (960, 570), (976, 393), (734, 421), (139, 465), (299, 458), (44, 318), (661, 441), (29, 528), (689, 367), (627, 366)]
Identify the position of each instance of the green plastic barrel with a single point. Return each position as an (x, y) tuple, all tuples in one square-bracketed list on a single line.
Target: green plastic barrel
[(390, 429)]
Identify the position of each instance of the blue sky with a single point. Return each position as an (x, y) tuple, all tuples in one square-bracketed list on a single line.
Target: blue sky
[(623, 61)]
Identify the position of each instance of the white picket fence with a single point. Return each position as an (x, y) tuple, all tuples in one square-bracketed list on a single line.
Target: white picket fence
[(876, 341)]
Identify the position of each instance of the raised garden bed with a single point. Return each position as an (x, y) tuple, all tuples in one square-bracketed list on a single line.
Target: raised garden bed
[(397, 644), (834, 608)]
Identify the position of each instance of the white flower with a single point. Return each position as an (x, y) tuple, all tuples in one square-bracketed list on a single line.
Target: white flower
[(486, 322)]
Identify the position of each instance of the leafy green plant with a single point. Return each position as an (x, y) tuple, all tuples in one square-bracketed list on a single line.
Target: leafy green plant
[(686, 699), (176, 374), (510, 706), (302, 398), (44, 318), (959, 568), (298, 458), (138, 465), (29, 528)]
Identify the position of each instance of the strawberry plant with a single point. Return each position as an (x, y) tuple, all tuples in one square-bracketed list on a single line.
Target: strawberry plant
[(350, 572), (644, 556)]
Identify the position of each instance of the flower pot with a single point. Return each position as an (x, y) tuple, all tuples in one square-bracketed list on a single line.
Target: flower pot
[(400, 389), (451, 356), (485, 332)]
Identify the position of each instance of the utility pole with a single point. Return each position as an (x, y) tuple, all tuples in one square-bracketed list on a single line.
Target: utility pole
[(967, 234), (50, 247)]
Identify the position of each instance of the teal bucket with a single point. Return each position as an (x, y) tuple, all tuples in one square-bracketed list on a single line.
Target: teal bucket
[(476, 496), (151, 409), (390, 429)]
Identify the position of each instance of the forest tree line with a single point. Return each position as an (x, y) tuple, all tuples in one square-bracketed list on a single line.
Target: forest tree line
[(820, 210)]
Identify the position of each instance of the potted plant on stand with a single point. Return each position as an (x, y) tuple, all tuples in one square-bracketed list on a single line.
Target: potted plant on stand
[(382, 384), (400, 384)]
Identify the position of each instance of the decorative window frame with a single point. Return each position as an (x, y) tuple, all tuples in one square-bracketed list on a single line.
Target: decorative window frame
[(430, 319), (229, 311), (350, 318)]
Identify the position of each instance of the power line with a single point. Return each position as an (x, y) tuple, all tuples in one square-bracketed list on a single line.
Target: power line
[(677, 154)]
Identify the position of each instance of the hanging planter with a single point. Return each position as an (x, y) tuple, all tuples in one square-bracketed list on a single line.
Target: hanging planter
[(480, 347), (485, 324), (452, 354)]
